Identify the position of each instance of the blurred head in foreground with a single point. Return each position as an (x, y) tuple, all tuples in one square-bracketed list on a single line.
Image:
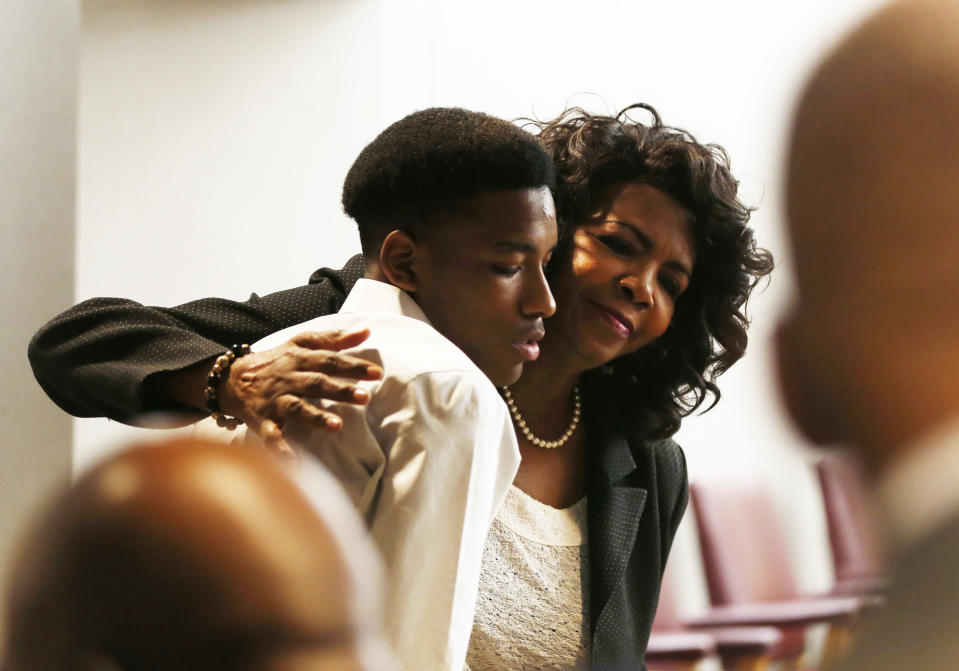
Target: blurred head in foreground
[(195, 556), (870, 353), (869, 356)]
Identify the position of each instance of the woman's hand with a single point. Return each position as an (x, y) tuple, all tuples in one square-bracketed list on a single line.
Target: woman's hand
[(266, 389)]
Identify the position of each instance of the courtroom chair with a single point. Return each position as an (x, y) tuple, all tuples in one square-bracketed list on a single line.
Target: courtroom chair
[(750, 576), (854, 537), (674, 645)]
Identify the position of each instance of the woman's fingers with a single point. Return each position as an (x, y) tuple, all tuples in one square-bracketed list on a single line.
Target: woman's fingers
[(331, 340), (319, 354), (318, 385), (295, 407), (334, 340), (341, 365), (267, 389), (272, 436)]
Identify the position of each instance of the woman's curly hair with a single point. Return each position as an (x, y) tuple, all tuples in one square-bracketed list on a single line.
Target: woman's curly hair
[(654, 388)]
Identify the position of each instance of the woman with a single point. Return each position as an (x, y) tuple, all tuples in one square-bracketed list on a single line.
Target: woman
[(650, 286)]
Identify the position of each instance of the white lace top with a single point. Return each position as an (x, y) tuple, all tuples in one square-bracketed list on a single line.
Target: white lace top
[(533, 605)]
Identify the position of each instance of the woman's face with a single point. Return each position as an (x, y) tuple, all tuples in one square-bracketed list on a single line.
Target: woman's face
[(630, 262)]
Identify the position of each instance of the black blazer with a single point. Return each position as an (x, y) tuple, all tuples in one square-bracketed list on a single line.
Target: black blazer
[(637, 492), (96, 359)]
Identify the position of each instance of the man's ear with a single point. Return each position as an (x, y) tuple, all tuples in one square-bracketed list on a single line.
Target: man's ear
[(397, 254)]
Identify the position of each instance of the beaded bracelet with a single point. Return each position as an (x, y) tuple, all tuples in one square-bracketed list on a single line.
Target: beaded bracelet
[(219, 372)]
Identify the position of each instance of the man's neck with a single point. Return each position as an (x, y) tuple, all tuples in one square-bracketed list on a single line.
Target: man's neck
[(374, 271)]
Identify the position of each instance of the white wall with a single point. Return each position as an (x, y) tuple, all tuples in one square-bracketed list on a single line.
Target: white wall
[(38, 46), (214, 138)]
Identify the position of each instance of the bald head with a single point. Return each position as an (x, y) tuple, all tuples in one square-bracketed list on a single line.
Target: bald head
[(873, 211), (186, 556), (874, 167)]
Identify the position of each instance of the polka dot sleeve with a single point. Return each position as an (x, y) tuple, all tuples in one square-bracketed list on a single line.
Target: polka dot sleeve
[(93, 359)]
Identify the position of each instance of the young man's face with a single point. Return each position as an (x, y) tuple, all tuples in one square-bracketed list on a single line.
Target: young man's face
[(480, 277)]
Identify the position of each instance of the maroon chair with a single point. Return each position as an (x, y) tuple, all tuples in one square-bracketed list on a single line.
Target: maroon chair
[(678, 650), (853, 532), (671, 647), (674, 646), (749, 574)]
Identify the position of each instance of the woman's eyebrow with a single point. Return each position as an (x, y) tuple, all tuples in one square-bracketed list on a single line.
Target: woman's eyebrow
[(648, 243)]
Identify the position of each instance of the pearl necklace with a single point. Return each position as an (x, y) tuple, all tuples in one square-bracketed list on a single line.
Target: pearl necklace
[(524, 429)]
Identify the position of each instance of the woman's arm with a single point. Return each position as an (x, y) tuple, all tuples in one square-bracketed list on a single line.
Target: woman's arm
[(119, 359)]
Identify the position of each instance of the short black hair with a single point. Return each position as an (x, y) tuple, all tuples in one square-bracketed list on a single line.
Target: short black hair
[(433, 160)]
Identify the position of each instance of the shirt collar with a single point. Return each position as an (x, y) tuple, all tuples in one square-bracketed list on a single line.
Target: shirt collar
[(921, 490), (375, 296)]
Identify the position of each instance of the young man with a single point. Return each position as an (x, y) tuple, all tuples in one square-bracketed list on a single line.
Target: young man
[(456, 222)]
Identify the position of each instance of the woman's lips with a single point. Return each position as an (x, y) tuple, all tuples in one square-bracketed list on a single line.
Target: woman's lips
[(615, 322)]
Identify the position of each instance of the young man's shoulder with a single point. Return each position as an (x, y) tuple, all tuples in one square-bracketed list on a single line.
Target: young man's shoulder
[(404, 346), (409, 347)]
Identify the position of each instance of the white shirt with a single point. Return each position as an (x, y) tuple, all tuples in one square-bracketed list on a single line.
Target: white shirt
[(921, 490), (427, 462), (365, 570)]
